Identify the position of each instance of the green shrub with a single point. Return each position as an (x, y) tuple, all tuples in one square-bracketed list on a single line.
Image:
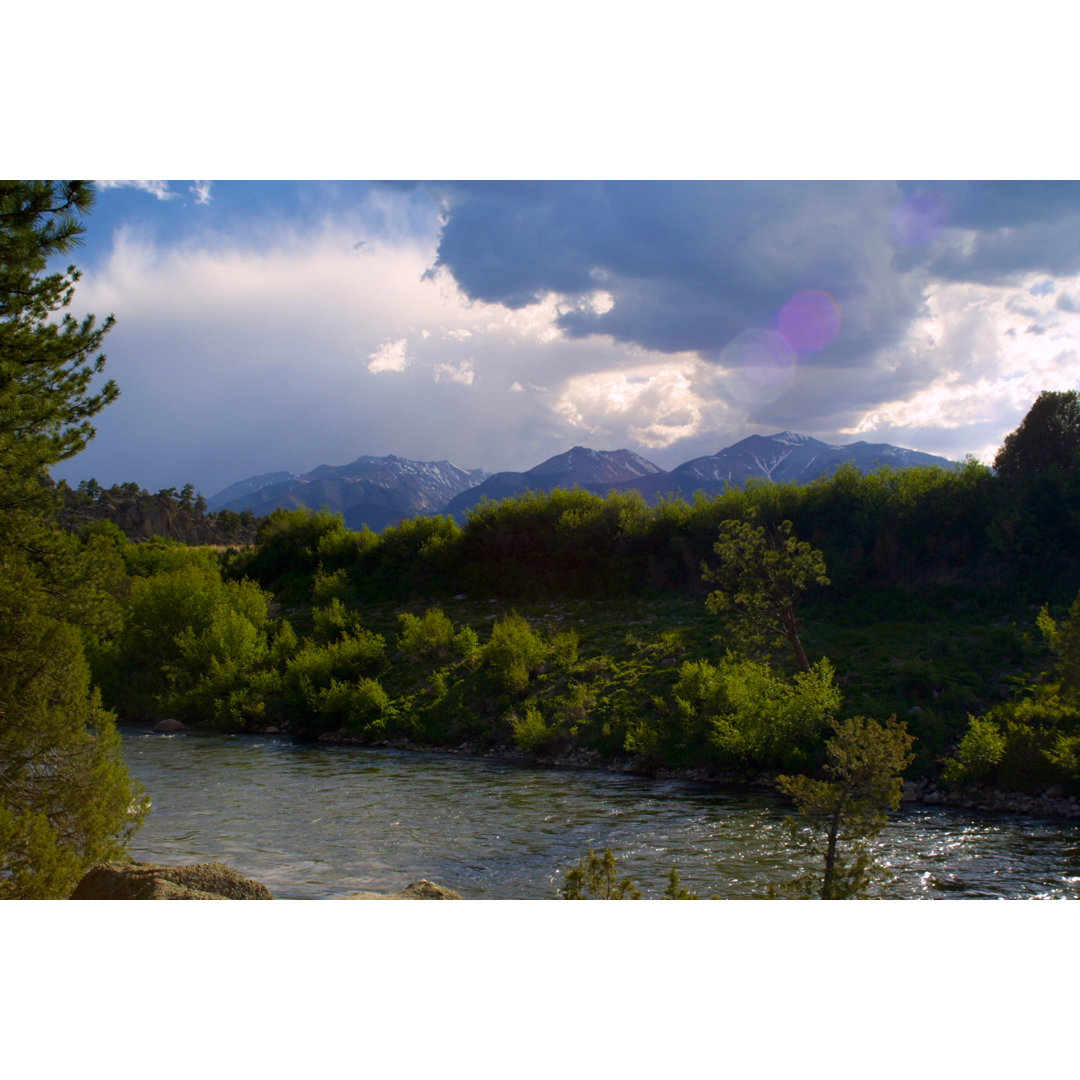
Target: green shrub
[(514, 652), (426, 637), (595, 878), (531, 733), (754, 716), (980, 751)]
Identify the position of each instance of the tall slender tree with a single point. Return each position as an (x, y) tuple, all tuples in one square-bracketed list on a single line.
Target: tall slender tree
[(762, 575), (66, 800)]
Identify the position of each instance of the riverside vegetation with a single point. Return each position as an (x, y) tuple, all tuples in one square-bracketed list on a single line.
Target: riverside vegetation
[(705, 635), (738, 636)]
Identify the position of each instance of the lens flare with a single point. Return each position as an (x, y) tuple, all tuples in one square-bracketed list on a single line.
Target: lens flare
[(759, 366), (809, 321)]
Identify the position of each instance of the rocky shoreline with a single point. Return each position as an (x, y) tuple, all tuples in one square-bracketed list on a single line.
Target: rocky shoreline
[(209, 881)]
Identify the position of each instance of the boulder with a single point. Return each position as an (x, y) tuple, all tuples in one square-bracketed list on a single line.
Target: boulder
[(428, 890), (147, 881), (166, 726), (418, 890)]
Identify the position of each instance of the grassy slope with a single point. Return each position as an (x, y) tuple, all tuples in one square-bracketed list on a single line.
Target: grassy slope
[(931, 664)]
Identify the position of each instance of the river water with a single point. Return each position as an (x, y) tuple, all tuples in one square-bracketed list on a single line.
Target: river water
[(317, 822)]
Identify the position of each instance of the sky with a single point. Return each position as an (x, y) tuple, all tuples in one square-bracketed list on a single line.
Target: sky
[(275, 326)]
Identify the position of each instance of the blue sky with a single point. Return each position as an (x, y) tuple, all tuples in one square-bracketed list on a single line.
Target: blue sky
[(266, 326)]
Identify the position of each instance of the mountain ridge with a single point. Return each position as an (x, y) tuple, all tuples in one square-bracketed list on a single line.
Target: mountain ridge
[(380, 491)]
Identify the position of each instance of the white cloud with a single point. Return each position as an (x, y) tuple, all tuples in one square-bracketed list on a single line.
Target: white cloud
[(460, 373), (201, 190), (390, 356), (983, 368), (158, 188), (654, 406)]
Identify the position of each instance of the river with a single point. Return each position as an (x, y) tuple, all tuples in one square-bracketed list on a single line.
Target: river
[(318, 822)]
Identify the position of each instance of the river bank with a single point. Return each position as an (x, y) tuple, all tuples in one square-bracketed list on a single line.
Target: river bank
[(322, 820)]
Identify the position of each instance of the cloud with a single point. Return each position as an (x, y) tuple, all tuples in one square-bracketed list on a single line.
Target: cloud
[(389, 356), (460, 373), (201, 190), (158, 188), (669, 318)]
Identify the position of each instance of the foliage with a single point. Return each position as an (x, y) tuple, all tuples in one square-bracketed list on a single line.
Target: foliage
[(1048, 437), (47, 366), (754, 717), (188, 638), (66, 800), (514, 652), (675, 890), (840, 815), (426, 637), (531, 733), (595, 878), (980, 750), (1033, 740), (762, 574)]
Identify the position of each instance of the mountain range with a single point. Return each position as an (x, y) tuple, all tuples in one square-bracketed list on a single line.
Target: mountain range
[(380, 491)]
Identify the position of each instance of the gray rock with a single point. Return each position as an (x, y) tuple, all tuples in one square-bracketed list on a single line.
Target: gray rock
[(147, 881), (165, 726), (418, 890)]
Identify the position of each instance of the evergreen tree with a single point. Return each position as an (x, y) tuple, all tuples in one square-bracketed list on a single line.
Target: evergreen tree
[(845, 812), (66, 800), (595, 878), (46, 366)]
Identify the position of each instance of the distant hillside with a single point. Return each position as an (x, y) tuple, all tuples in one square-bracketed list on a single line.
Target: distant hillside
[(140, 515), (372, 491), (578, 466), (244, 488)]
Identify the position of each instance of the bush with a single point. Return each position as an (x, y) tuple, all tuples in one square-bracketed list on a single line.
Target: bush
[(531, 734), (754, 717), (426, 637), (978, 754), (514, 652)]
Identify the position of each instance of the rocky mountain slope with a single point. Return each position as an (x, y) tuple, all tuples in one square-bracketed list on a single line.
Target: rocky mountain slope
[(379, 491), (372, 491), (783, 458), (578, 466)]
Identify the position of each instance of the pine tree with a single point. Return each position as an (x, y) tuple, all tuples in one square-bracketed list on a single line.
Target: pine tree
[(66, 800), (845, 812)]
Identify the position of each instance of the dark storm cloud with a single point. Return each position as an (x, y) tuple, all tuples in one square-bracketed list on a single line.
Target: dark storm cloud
[(688, 264), (1013, 227)]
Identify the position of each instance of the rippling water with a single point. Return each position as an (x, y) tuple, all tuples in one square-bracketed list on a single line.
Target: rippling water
[(323, 821)]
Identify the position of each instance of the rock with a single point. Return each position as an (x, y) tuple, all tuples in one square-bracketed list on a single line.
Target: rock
[(915, 710), (166, 726), (428, 890), (147, 881), (418, 890), (910, 792)]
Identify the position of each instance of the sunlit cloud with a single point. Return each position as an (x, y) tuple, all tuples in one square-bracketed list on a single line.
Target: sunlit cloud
[(460, 373), (655, 406), (390, 356)]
